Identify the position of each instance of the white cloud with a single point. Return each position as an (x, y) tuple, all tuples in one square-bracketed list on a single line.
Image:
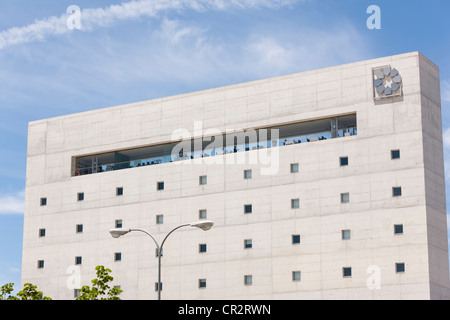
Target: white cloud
[(12, 204), (446, 138), (306, 49), (179, 51), (173, 32), (103, 17), (14, 270), (180, 54), (446, 142), (269, 51), (37, 31), (446, 90)]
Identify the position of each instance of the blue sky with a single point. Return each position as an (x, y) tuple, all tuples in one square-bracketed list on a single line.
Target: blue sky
[(128, 51)]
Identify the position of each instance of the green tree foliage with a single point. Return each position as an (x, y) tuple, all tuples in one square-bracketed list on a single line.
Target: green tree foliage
[(100, 289), (5, 292), (29, 292)]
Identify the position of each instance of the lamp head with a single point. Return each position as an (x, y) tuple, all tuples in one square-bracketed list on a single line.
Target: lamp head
[(118, 232), (204, 225)]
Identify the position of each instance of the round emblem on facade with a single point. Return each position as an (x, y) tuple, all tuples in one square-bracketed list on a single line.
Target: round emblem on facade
[(387, 82)]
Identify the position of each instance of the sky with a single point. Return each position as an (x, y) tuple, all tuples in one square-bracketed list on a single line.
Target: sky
[(128, 51)]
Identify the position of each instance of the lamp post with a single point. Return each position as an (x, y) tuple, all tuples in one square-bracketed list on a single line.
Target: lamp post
[(204, 225)]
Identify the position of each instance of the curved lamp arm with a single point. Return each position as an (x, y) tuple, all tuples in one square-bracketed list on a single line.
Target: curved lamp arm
[(182, 226), (154, 240)]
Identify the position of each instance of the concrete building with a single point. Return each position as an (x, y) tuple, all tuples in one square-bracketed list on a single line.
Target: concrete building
[(341, 195)]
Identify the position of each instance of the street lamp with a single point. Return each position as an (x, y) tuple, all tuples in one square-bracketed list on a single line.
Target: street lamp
[(118, 232)]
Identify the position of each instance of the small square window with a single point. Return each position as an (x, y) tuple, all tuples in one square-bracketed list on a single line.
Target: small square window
[(80, 196), (395, 154), (79, 228), (248, 280), (248, 244), (345, 197), (118, 223), (76, 293), (400, 267), (40, 264), (43, 202), (118, 256), (78, 260), (347, 272), (294, 167), (295, 239), (41, 233), (202, 180), (202, 283), (346, 234), (343, 161), (295, 203), (119, 191), (247, 174), (397, 191), (159, 219), (398, 229), (202, 214), (248, 208), (160, 186), (296, 276), (202, 248)]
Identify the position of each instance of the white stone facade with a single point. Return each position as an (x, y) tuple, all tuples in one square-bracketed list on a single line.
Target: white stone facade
[(410, 123)]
